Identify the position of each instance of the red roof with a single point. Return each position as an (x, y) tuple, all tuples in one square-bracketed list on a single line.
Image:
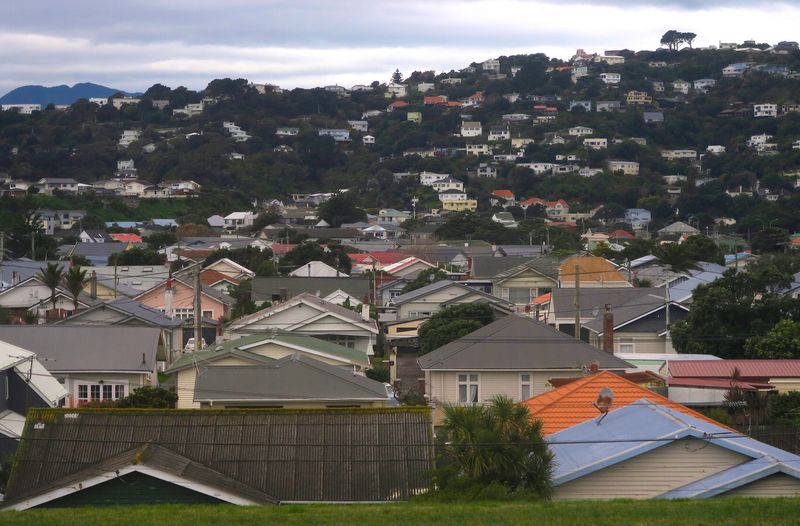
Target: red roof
[(717, 383), (545, 203), (282, 248), (724, 368), (621, 234), (543, 299), (454, 103), (126, 238), (211, 276), (435, 99), (505, 194), (478, 95), (399, 104), (572, 404)]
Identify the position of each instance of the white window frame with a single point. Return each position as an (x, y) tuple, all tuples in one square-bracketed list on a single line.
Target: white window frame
[(468, 380), (99, 388), (523, 383), (183, 313), (626, 345)]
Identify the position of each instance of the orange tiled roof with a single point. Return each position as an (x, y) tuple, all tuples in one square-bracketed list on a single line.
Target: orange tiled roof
[(211, 276), (504, 193), (593, 269), (571, 404)]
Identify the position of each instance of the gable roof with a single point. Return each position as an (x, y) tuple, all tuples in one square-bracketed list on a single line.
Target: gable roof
[(643, 426), (545, 265), (405, 263), (724, 368), (207, 291), (429, 289), (128, 307), (593, 300), (515, 342), (292, 378), (571, 404), (264, 287), (302, 443), (313, 302), (27, 365), (211, 277), (635, 310), (593, 269), (64, 348)]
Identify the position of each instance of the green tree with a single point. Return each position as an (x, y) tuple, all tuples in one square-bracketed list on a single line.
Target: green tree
[(137, 256), (74, 280), (340, 209), (674, 256), (702, 248), (52, 276), (781, 342), (306, 252), (149, 397), (397, 77), (426, 277), (243, 299), (453, 322), (498, 443)]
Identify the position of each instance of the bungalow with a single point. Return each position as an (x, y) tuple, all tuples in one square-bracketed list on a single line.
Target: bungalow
[(611, 78), (595, 143), (471, 129), (175, 297), (524, 282), (434, 100), (478, 149), (277, 289), (593, 272), (514, 356), (499, 134), (448, 183), (92, 363), (765, 110), (317, 269), (681, 86), (430, 299), (428, 178), (580, 131), (312, 316)]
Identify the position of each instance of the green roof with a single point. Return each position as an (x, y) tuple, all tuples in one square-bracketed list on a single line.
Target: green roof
[(234, 347)]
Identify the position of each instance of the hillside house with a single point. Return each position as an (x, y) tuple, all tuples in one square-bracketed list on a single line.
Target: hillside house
[(471, 129)]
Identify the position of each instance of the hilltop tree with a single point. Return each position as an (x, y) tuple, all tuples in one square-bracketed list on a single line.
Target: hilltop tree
[(673, 39), (397, 77)]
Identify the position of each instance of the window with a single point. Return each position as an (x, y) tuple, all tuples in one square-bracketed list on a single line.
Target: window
[(626, 345), (183, 314), (519, 296), (100, 392), (338, 339), (208, 314), (525, 383), (468, 388)]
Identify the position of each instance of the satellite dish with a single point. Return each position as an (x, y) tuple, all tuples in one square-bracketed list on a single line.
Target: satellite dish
[(605, 399)]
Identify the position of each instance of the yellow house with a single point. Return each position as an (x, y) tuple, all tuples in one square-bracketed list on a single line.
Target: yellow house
[(414, 116), (468, 205)]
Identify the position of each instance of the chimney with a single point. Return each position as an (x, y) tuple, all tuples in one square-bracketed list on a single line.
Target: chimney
[(284, 293), (14, 277), (608, 330), (594, 367), (365, 311), (93, 285), (168, 291)]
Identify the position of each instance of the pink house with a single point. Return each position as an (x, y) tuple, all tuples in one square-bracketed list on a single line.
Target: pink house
[(178, 300)]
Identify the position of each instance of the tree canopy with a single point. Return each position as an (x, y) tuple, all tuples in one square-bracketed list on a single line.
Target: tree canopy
[(453, 322)]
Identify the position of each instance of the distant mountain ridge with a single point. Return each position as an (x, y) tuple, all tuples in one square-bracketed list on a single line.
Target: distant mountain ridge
[(62, 94)]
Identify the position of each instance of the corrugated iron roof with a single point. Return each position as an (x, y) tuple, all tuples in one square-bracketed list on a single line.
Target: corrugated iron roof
[(291, 455), (724, 368)]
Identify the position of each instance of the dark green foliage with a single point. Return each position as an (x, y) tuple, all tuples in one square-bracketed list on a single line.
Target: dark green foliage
[(73, 281), (781, 342), (452, 323), (493, 445), (51, 276), (149, 397), (379, 373), (242, 294), (340, 209), (335, 256), (137, 256), (159, 240), (426, 277), (249, 257)]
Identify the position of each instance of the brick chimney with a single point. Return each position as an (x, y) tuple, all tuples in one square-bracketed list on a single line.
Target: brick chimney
[(608, 330)]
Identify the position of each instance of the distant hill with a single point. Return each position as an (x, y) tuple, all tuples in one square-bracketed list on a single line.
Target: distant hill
[(56, 94)]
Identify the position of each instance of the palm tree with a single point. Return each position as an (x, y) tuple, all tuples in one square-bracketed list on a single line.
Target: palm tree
[(675, 257), (498, 443), (74, 280), (51, 276)]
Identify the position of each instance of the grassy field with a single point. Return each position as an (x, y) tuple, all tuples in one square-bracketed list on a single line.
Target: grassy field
[(716, 512)]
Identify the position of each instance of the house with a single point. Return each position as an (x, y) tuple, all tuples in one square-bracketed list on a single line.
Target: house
[(94, 236), (317, 269), (580, 131), (626, 167), (653, 116), (610, 78), (277, 288), (408, 267), (514, 356), (414, 116), (430, 299), (287, 131), (434, 100), (585, 104), (658, 86), (506, 219), (595, 143), (31, 297), (765, 110), (156, 452), (49, 185), (478, 149), (424, 87), (360, 126), (634, 97), (22, 109), (92, 363), (715, 149), (471, 129), (465, 205), (649, 450), (312, 316), (175, 297), (681, 86), (679, 154), (554, 209), (499, 134), (52, 220), (25, 383), (368, 139), (397, 105), (447, 183), (428, 178), (504, 197), (258, 350), (452, 195), (338, 135), (125, 312), (608, 105), (611, 60), (736, 70), (704, 85), (522, 283), (706, 382), (237, 220), (394, 89), (638, 218), (678, 228), (486, 170)]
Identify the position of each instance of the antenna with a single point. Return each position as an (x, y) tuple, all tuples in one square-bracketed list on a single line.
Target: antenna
[(605, 399)]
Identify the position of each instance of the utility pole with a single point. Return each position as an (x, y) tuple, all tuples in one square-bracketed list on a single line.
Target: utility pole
[(115, 276), (198, 311), (33, 246), (666, 306), (577, 302), (2, 245)]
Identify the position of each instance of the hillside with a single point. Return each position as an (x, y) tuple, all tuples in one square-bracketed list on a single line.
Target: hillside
[(534, 136), (56, 94)]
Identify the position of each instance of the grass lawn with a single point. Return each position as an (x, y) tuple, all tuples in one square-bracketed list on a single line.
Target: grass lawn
[(715, 512)]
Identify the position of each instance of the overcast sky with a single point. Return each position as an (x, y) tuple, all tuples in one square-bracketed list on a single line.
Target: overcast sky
[(131, 45)]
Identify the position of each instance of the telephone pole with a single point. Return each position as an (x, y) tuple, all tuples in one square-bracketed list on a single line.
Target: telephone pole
[(198, 311), (577, 302)]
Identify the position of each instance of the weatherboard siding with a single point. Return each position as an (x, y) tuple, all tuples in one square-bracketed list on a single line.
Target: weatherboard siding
[(777, 485), (651, 474), (187, 377), (275, 351)]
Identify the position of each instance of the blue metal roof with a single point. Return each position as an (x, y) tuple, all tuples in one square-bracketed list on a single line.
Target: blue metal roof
[(644, 426)]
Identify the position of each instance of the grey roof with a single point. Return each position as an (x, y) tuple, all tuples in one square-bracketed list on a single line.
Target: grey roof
[(293, 377), (545, 265), (24, 269), (529, 251), (93, 250), (515, 342), (594, 300), (329, 233), (63, 348), (135, 277), (428, 289), (626, 313), (289, 455), (489, 266), (128, 307), (264, 287)]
